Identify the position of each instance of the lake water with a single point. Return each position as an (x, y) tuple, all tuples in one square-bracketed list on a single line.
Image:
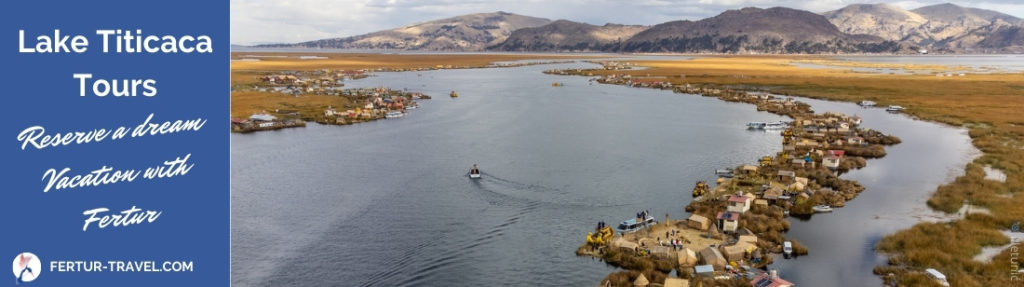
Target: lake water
[(388, 203)]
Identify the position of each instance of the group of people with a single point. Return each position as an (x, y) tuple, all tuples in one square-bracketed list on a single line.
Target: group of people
[(675, 243), (600, 225)]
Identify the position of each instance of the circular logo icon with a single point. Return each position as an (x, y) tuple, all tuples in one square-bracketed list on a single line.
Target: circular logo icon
[(27, 267)]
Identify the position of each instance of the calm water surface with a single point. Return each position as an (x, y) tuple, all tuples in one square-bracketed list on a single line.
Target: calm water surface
[(388, 203)]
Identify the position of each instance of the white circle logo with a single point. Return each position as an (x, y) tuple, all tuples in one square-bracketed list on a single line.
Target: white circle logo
[(27, 267)]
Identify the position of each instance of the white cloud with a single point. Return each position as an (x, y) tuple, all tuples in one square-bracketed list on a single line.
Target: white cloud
[(263, 21)]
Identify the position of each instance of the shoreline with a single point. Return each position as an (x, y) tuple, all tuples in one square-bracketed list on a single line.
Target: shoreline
[(768, 220)]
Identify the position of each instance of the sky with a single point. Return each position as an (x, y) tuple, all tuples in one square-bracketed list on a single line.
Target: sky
[(291, 21)]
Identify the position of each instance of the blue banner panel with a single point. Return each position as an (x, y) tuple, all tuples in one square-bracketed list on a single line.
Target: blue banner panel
[(115, 143)]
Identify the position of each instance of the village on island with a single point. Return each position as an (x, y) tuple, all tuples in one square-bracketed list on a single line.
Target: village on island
[(733, 227), (379, 103)]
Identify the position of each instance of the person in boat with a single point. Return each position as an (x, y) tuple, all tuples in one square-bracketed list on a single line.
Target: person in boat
[(474, 170)]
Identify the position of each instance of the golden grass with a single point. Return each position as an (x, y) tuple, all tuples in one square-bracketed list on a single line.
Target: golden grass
[(990, 105)]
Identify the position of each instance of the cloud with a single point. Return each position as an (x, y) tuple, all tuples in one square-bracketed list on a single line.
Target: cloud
[(289, 21)]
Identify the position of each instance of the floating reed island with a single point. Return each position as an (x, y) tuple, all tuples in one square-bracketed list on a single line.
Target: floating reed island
[(318, 92), (734, 226)]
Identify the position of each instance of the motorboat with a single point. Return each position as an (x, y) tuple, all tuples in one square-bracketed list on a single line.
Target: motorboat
[(411, 107), (822, 208), (787, 248), (632, 225), (474, 172), (394, 114), (454, 94), (867, 104), (724, 172), (894, 109), (777, 125)]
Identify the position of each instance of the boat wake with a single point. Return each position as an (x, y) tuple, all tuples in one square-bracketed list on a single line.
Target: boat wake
[(509, 192), (517, 185)]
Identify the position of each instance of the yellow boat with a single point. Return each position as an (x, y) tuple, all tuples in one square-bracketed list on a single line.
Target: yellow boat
[(454, 94)]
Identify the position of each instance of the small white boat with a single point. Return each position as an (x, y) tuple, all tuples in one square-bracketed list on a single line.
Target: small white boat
[(767, 126), (725, 172), (411, 107), (632, 225), (856, 120), (474, 172), (394, 114), (894, 109), (822, 208), (867, 104), (787, 248), (776, 125)]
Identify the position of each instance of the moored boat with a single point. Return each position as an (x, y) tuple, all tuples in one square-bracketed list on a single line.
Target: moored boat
[(867, 103), (724, 172), (633, 225), (787, 248), (894, 108), (394, 114), (776, 125), (767, 125), (822, 208)]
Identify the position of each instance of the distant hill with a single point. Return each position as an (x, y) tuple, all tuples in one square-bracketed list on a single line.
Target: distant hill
[(773, 30), (882, 20), (471, 32), (564, 35), (950, 13), (857, 28), (943, 27)]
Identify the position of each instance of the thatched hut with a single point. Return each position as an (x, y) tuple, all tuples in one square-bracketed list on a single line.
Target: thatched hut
[(641, 281), (687, 258), (698, 222), (711, 256), (734, 252)]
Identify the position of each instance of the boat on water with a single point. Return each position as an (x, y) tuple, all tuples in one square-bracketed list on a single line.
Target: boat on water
[(777, 125), (632, 225), (454, 94), (411, 107), (394, 114), (822, 208), (894, 109), (856, 120), (724, 172), (787, 248), (867, 104), (474, 172)]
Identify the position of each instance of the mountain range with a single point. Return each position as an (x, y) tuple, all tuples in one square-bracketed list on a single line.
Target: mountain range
[(857, 28)]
